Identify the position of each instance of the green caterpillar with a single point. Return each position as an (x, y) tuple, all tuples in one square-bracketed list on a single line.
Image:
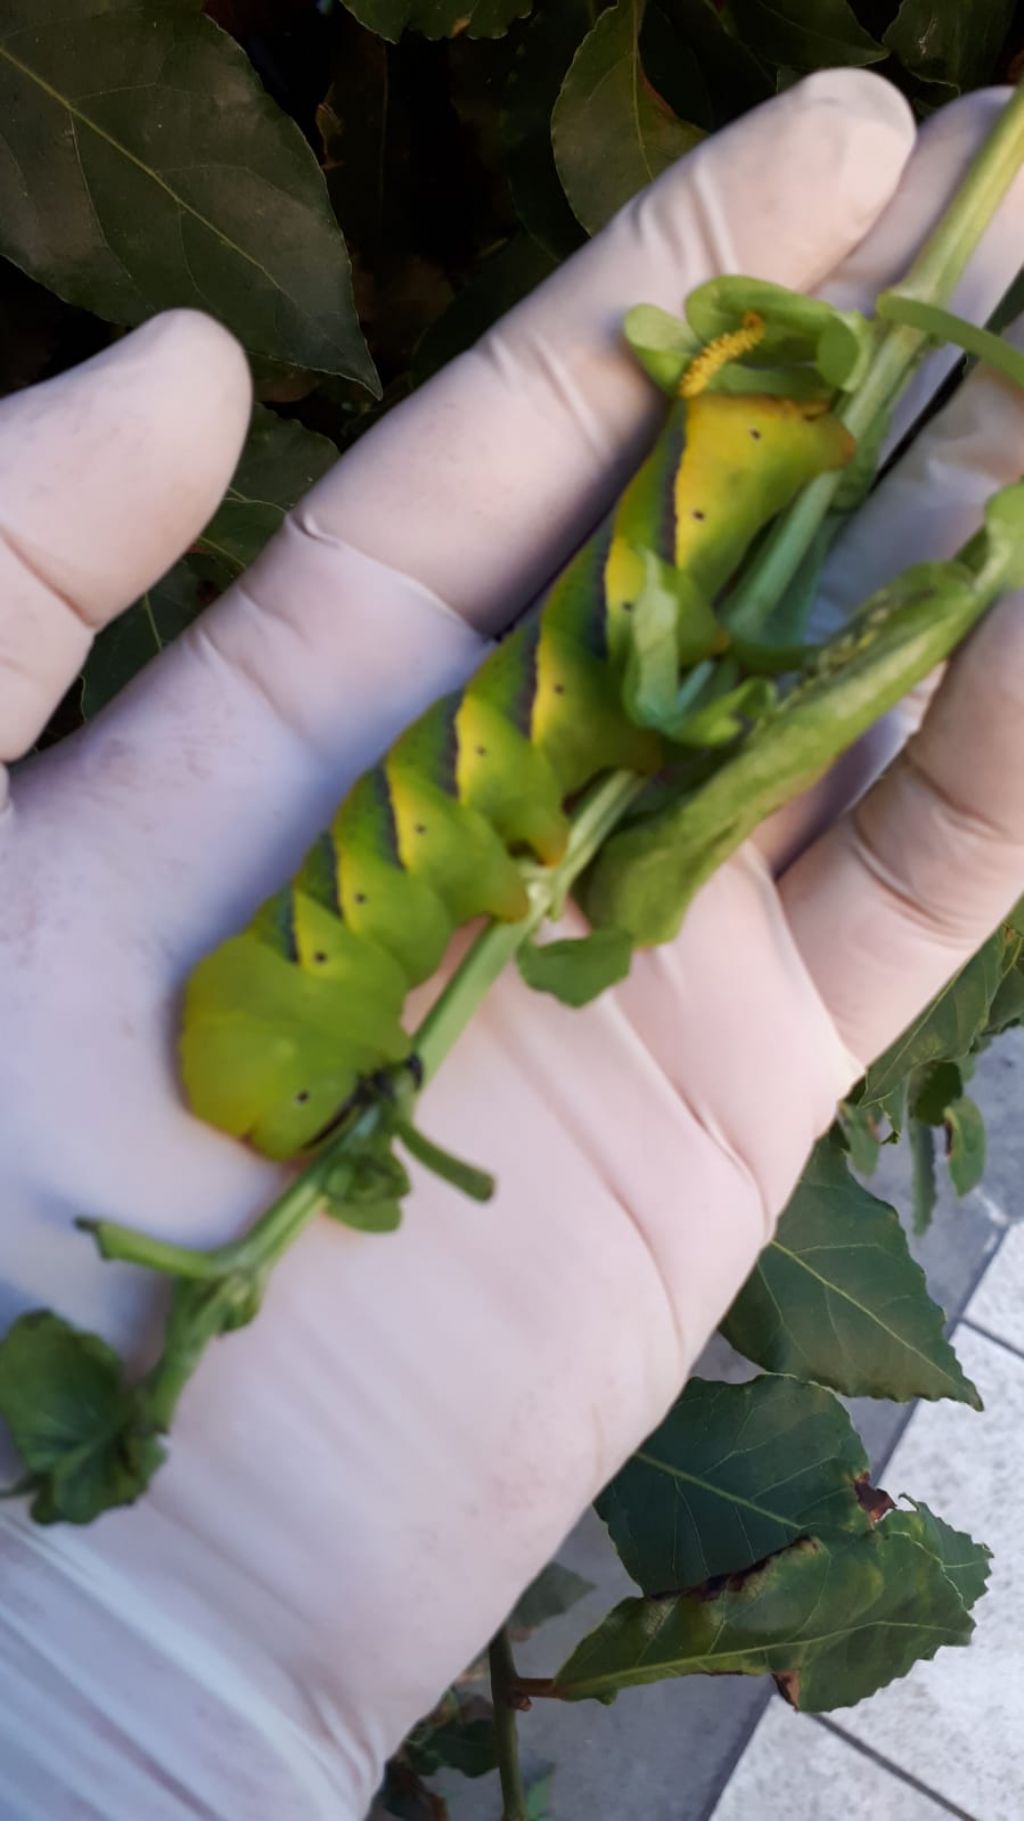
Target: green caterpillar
[(283, 1021)]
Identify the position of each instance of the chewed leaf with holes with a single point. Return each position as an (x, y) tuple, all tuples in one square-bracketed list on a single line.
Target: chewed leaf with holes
[(735, 1473), (143, 163)]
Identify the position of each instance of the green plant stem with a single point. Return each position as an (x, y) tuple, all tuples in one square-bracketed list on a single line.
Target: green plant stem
[(932, 278), (506, 1738), (497, 944)]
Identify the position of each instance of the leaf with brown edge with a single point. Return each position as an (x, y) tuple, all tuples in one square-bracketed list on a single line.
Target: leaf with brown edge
[(836, 1621)]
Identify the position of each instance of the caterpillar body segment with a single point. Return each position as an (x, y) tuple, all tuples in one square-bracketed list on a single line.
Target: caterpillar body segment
[(282, 1021)]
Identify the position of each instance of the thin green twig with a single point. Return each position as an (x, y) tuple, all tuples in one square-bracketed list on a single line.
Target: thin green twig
[(506, 1736)]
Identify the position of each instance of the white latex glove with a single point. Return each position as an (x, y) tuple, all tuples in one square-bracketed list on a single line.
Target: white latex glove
[(363, 1481)]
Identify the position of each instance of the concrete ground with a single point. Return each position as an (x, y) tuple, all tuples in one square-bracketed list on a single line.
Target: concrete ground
[(948, 1740)]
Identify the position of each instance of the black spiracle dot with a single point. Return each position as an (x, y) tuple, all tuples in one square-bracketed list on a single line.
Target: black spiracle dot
[(301, 1097), (559, 689), (481, 752), (320, 957), (756, 434), (420, 828), (697, 513), (360, 897)]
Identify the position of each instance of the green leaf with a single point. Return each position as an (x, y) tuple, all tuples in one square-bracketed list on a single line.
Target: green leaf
[(555, 1590), (611, 132), (1007, 1007), (930, 1091), (946, 1029), (280, 462), (545, 50), (735, 78), (965, 1144), (458, 1735), (836, 1297), (808, 34), (733, 1474), (860, 1133), (366, 1216), (123, 647), (576, 970), (438, 18), (923, 1188), (662, 343), (538, 1796), (405, 1797), (143, 162), (965, 1562), (833, 1622), (71, 1418), (952, 42)]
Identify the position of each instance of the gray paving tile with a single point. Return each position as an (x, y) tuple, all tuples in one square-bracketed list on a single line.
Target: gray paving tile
[(998, 1303), (794, 1770), (957, 1723)]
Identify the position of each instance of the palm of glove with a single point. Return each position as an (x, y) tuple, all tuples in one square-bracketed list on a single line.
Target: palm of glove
[(363, 1481)]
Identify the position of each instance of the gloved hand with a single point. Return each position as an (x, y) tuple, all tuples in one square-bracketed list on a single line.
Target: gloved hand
[(362, 1482)]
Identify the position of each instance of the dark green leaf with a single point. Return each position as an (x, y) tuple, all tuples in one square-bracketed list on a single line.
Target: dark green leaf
[(809, 34), (946, 1029), (1007, 1007), (834, 1622), (860, 1131), (735, 78), (405, 1797), (458, 1735), (965, 1144), (611, 132), (366, 1216), (673, 69), (923, 1188), (931, 1090), (279, 464), (123, 647), (543, 55), (575, 971), (836, 1297), (734, 1473), (143, 164), (438, 18), (555, 1590), (952, 42), (965, 1562), (70, 1415)]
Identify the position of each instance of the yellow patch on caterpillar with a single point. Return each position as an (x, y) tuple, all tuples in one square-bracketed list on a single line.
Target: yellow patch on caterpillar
[(702, 369)]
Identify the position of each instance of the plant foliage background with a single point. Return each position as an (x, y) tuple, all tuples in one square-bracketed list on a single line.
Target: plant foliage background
[(358, 191)]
